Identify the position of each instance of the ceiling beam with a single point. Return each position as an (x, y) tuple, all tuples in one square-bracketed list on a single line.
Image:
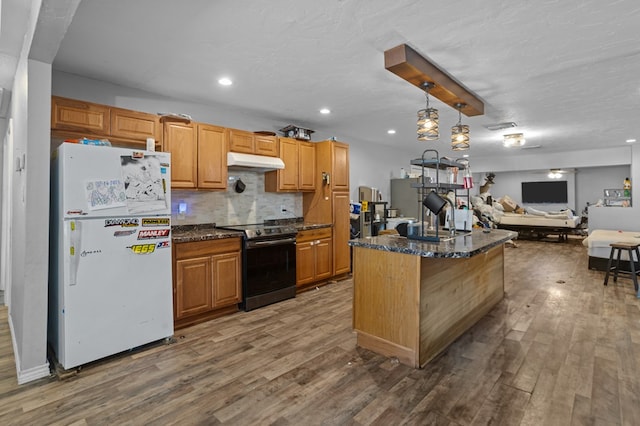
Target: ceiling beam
[(409, 65)]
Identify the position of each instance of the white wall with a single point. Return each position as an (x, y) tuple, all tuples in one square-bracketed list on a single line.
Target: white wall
[(621, 218), (30, 110)]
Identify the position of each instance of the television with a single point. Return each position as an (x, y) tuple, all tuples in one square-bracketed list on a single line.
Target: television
[(552, 191)]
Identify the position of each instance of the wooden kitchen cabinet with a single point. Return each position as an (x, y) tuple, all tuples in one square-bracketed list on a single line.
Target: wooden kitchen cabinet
[(299, 168), (80, 116), (212, 157), (181, 140), (313, 256), (198, 155), (250, 143), (341, 222), (207, 279), (306, 166), (75, 119), (329, 203), (126, 124)]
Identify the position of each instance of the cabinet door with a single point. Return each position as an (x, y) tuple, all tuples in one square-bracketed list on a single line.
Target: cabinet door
[(212, 157), (340, 159), (241, 141), (306, 166), (341, 251), (134, 125), (181, 141), (193, 286), (266, 145), (288, 179), (226, 279), (324, 258), (305, 263), (70, 114)]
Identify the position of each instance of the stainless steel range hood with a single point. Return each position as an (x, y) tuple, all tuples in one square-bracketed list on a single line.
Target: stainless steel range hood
[(251, 162)]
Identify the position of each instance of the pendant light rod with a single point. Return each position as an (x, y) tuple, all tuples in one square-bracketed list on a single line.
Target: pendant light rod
[(409, 65)]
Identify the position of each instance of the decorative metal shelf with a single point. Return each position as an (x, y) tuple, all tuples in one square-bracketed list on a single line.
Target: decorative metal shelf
[(434, 185), (433, 163)]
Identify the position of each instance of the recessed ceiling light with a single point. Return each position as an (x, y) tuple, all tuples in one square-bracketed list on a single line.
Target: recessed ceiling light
[(465, 155), (631, 140), (391, 132), (325, 111), (224, 81)]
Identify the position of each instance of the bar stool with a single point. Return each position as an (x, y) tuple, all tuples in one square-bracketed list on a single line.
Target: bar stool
[(616, 250)]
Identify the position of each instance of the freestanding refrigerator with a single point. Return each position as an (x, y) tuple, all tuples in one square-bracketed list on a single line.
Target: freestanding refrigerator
[(110, 285)]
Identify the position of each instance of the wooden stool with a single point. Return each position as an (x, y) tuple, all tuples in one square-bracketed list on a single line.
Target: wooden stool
[(616, 250)]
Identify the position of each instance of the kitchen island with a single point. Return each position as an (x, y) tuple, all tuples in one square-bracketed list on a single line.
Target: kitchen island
[(413, 298)]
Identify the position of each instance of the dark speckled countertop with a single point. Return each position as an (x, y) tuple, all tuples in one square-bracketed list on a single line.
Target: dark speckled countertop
[(462, 246), (209, 231)]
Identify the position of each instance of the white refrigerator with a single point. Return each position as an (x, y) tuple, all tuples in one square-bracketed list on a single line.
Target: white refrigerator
[(110, 284)]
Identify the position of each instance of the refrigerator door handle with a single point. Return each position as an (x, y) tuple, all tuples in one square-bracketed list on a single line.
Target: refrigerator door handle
[(74, 240)]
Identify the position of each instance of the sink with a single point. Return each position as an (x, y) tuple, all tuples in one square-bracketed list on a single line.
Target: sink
[(443, 234)]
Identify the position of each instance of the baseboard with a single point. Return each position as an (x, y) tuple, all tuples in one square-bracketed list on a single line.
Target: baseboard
[(31, 374)]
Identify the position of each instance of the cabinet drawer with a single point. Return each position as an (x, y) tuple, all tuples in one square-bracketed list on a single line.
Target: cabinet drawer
[(203, 248), (313, 234)]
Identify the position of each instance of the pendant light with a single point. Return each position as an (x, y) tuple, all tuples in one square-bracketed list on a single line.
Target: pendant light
[(428, 119), (460, 132)]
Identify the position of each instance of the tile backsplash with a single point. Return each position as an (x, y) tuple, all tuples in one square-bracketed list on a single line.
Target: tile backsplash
[(232, 208)]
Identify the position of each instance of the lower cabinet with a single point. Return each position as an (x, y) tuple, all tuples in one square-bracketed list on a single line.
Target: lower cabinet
[(313, 256), (207, 279)]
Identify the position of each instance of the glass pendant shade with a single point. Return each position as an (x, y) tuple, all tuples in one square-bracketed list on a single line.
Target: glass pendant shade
[(460, 137), (460, 133), (428, 124)]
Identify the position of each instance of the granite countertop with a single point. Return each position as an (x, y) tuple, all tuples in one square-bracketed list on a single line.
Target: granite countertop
[(462, 246), (201, 232), (209, 231)]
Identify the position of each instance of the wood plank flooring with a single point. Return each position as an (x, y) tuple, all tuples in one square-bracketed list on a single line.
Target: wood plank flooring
[(560, 349)]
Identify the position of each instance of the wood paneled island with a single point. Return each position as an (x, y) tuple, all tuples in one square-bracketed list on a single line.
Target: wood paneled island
[(414, 298)]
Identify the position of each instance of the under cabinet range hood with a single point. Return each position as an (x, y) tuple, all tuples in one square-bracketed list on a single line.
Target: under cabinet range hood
[(252, 162)]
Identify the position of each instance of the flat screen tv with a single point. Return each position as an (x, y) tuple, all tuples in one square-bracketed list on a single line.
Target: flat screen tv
[(545, 192)]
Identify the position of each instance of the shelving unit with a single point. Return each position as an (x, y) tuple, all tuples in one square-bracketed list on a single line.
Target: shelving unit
[(615, 197), (425, 187)]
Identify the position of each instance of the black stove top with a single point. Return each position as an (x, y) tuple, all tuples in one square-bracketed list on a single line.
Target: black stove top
[(262, 231)]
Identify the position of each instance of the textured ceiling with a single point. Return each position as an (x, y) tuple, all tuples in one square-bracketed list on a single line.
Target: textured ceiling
[(568, 73)]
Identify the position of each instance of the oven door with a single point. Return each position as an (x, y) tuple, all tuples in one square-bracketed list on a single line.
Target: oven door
[(270, 271)]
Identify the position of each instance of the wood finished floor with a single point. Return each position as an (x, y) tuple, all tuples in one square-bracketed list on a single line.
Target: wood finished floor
[(560, 349)]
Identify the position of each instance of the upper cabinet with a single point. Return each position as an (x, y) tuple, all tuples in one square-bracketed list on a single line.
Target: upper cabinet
[(71, 118), (212, 157), (198, 155), (250, 143), (79, 116), (135, 125), (180, 139), (340, 166), (299, 168)]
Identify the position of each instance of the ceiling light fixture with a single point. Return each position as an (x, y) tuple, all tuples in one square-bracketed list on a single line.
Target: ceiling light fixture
[(460, 132), (391, 131), (630, 140), (325, 111), (500, 126), (224, 81), (554, 174), (414, 68), (428, 119), (513, 139)]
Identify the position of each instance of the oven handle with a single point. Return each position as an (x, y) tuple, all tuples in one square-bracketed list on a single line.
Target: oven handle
[(257, 244)]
